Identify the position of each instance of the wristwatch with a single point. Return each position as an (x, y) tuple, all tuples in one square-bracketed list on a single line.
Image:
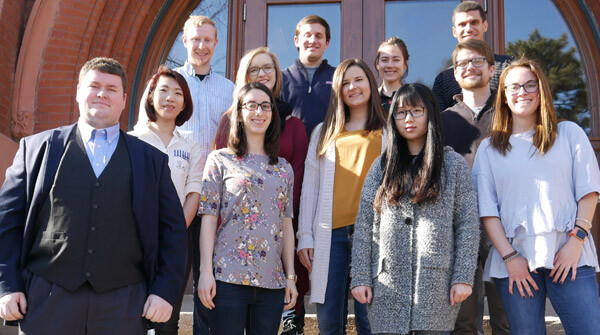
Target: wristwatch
[(578, 233), (292, 277)]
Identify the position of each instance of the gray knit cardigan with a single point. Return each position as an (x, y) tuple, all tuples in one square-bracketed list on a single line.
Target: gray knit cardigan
[(410, 255)]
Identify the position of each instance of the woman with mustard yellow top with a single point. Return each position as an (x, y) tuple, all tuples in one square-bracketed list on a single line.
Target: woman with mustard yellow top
[(341, 151)]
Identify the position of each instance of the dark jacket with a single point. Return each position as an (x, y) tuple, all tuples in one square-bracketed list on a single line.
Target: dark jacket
[(463, 130), (156, 209), (309, 100), (445, 86)]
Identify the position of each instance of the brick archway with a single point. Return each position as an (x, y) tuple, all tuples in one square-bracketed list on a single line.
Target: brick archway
[(61, 35)]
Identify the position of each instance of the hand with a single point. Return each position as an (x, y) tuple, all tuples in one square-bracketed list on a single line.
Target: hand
[(13, 306), (566, 259), (207, 289), (157, 309), (306, 257), (459, 293), (362, 294), (518, 272), (291, 294)]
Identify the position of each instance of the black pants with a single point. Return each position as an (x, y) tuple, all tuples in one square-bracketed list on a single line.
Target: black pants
[(201, 317), (171, 327), (52, 309)]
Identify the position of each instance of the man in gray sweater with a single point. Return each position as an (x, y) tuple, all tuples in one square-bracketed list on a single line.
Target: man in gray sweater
[(466, 124)]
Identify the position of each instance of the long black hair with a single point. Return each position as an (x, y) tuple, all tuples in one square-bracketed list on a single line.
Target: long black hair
[(397, 162)]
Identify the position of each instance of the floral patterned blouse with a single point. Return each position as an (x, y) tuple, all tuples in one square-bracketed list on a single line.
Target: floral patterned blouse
[(252, 198)]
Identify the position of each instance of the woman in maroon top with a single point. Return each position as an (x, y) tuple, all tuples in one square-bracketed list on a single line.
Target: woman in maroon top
[(261, 65)]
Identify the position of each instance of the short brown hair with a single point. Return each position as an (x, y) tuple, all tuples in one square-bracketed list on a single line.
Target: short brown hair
[(474, 45), (237, 137), (468, 6), (198, 20), (188, 106), (105, 65), (314, 19)]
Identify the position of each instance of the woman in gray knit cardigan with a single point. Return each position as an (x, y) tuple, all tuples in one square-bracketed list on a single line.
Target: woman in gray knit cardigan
[(417, 229)]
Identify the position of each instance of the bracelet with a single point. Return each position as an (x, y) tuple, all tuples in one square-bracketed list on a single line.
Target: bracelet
[(509, 255), (292, 277), (587, 224), (512, 256)]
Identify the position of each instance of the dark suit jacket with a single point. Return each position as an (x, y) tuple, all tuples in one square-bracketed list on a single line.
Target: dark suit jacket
[(156, 208)]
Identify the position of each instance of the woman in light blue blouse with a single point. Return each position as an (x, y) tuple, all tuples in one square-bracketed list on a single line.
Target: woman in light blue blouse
[(538, 183)]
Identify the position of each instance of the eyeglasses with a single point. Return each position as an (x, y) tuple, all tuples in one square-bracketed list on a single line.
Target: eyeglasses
[(252, 106), (255, 70), (415, 112), (477, 62), (529, 87)]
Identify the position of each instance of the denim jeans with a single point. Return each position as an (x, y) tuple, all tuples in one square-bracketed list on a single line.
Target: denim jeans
[(332, 315), (576, 303), (238, 307), (200, 319)]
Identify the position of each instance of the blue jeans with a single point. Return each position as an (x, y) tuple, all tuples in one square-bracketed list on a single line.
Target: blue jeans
[(576, 303), (238, 307), (332, 315)]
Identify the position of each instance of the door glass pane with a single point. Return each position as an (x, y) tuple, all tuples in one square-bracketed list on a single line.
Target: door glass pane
[(281, 28), (546, 38), (217, 10), (426, 28)]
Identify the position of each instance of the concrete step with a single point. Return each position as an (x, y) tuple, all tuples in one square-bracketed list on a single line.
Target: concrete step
[(553, 324)]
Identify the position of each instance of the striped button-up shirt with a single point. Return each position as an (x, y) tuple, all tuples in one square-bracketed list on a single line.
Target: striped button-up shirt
[(211, 96)]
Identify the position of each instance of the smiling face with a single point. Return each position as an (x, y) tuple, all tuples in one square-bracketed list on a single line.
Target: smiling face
[(101, 98), (471, 76), (256, 122), (311, 42), (391, 64), (200, 43), (468, 25), (167, 98), (263, 63), (522, 104), (413, 129), (355, 88)]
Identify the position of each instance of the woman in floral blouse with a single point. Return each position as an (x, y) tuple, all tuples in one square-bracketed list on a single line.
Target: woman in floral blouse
[(242, 278)]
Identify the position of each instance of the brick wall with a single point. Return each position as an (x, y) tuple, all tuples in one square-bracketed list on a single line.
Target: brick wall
[(11, 32)]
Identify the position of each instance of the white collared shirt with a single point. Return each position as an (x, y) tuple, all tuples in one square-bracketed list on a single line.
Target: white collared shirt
[(184, 159)]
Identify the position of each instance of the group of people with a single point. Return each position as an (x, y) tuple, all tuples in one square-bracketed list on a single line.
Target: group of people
[(407, 197)]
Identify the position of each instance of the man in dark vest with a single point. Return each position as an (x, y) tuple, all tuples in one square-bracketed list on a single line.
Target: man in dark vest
[(92, 232)]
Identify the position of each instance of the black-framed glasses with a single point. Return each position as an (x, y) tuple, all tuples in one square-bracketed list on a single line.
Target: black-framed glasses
[(255, 70), (477, 62), (531, 86), (400, 114), (253, 105)]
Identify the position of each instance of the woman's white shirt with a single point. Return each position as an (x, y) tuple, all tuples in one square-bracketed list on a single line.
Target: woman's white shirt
[(184, 159), (536, 196)]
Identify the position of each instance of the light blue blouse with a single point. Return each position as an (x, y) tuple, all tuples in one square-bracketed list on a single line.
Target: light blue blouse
[(536, 196)]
